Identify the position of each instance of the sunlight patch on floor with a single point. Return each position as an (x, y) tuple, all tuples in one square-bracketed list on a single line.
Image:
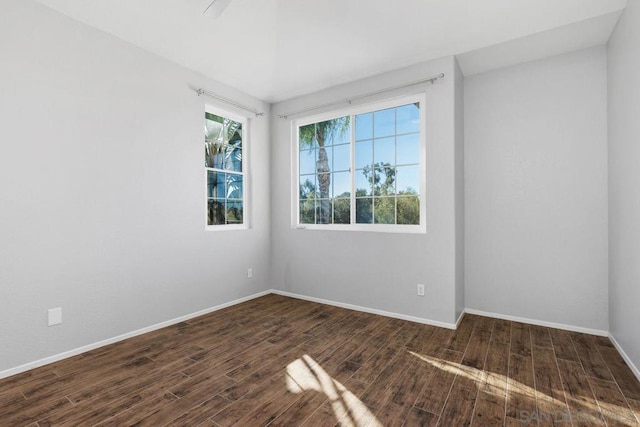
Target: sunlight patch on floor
[(306, 374), (499, 385)]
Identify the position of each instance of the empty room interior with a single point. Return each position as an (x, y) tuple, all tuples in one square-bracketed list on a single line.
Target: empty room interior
[(409, 213)]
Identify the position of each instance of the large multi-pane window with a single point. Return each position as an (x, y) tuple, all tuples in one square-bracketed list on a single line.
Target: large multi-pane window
[(224, 147), (363, 170)]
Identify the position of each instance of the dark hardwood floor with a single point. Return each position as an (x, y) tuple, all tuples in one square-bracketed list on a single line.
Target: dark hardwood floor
[(286, 362)]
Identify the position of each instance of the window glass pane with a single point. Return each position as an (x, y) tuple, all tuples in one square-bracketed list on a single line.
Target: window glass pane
[(216, 212), (384, 210), (323, 211), (307, 162), (213, 133), (384, 181), (324, 134), (408, 210), (211, 182), (363, 183), (384, 123), (234, 186), (408, 179), (223, 143), (234, 212), (307, 187), (364, 210), (340, 131), (384, 151), (364, 154), (408, 149), (216, 184), (364, 126), (325, 156), (341, 157), (233, 158), (214, 159), (324, 185), (341, 184), (341, 211), (307, 135), (408, 119), (307, 211)]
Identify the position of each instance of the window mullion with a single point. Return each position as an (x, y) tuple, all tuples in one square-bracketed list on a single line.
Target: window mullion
[(395, 168), (373, 169), (352, 169)]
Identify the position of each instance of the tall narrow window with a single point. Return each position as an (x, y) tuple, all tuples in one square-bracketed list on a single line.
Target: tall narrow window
[(363, 170), (225, 168)]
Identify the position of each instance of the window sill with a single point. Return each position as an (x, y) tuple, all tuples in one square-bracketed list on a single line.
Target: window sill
[(375, 228), (232, 227)]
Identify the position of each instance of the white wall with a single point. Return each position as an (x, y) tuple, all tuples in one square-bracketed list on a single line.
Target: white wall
[(624, 182), (536, 190), (375, 270), (102, 190)]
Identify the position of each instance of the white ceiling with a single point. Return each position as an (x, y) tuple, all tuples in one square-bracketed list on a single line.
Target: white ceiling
[(278, 49)]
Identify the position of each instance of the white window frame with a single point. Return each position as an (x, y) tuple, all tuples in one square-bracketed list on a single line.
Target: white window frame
[(360, 109), (245, 173)]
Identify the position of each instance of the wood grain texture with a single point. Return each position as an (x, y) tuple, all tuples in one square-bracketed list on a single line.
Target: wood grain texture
[(521, 339), (492, 390), (583, 407), (540, 336), (629, 384), (563, 346), (280, 361), (635, 407), (489, 409), (549, 391), (613, 404), (591, 359), (521, 392), (458, 410), (501, 331)]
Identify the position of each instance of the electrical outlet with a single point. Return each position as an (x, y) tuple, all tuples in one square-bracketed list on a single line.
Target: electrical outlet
[(249, 273), (55, 316), (420, 290)]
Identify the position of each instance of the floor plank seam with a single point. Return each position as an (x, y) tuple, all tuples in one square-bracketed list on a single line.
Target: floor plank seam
[(587, 376), (508, 382), (564, 389), (533, 374)]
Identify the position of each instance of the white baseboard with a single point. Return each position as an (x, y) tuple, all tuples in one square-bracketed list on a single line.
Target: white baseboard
[(460, 319), (539, 322), (626, 358), (79, 350), (368, 310)]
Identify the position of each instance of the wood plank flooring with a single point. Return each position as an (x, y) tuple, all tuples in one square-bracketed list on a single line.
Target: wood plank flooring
[(279, 361)]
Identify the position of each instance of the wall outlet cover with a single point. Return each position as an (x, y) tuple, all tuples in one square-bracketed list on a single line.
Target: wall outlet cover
[(55, 316)]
